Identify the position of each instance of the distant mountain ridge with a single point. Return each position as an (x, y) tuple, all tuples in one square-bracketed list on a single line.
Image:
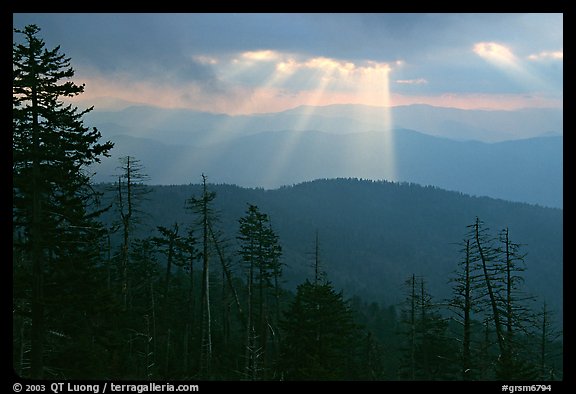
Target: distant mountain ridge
[(181, 126), (479, 152), (529, 170)]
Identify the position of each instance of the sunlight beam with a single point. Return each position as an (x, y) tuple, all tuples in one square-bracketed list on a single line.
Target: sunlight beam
[(292, 139), (373, 154), (504, 59)]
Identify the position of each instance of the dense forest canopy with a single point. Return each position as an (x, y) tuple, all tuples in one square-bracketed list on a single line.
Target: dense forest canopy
[(373, 233)]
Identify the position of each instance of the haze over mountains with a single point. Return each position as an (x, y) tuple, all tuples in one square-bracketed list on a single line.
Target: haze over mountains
[(392, 228), (511, 155)]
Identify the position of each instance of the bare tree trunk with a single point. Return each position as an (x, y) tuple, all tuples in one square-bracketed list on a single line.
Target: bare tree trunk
[(493, 302), (466, 356), (249, 337), (37, 334), (263, 318), (225, 313), (148, 357), (126, 217), (509, 316), (206, 337), (22, 351), (153, 306), (227, 272), (191, 311)]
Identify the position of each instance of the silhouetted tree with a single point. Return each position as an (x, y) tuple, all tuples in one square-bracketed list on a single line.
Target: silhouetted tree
[(428, 352), (144, 309), (130, 192), (467, 287), (320, 336), (52, 198), (518, 316), (170, 242), (260, 252), (500, 299), (190, 254), (548, 335), (202, 207)]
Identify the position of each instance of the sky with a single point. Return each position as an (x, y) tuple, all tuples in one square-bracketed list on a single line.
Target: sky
[(256, 63)]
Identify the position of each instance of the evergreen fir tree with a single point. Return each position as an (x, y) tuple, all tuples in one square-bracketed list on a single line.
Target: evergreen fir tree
[(54, 207), (320, 336)]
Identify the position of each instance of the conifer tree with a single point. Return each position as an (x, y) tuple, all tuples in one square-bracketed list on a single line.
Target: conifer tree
[(320, 335), (202, 207), (53, 209), (427, 352), (260, 252), (130, 191), (467, 287)]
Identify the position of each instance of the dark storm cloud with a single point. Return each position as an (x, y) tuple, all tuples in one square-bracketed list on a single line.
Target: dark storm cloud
[(166, 48), (379, 37), (137, 45)]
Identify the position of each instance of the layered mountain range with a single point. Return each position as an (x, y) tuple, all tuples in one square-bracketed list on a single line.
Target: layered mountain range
[(511, 155)]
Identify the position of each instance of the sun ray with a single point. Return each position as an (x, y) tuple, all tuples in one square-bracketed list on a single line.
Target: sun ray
[(257, 78), (372, 154), (251, 102), (504, 59), (293, 137)]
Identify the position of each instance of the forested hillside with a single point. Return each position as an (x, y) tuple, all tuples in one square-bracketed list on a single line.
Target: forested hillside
[(372, 234), (376, 255)]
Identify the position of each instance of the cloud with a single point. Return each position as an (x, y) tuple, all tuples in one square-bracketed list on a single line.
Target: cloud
[(263, 55), (171, 71), (418, 81), (518, 70), (296, 71), (219, 57), (547, 55), (494, 52), (333, 67), (204, 59), (107, 38)]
